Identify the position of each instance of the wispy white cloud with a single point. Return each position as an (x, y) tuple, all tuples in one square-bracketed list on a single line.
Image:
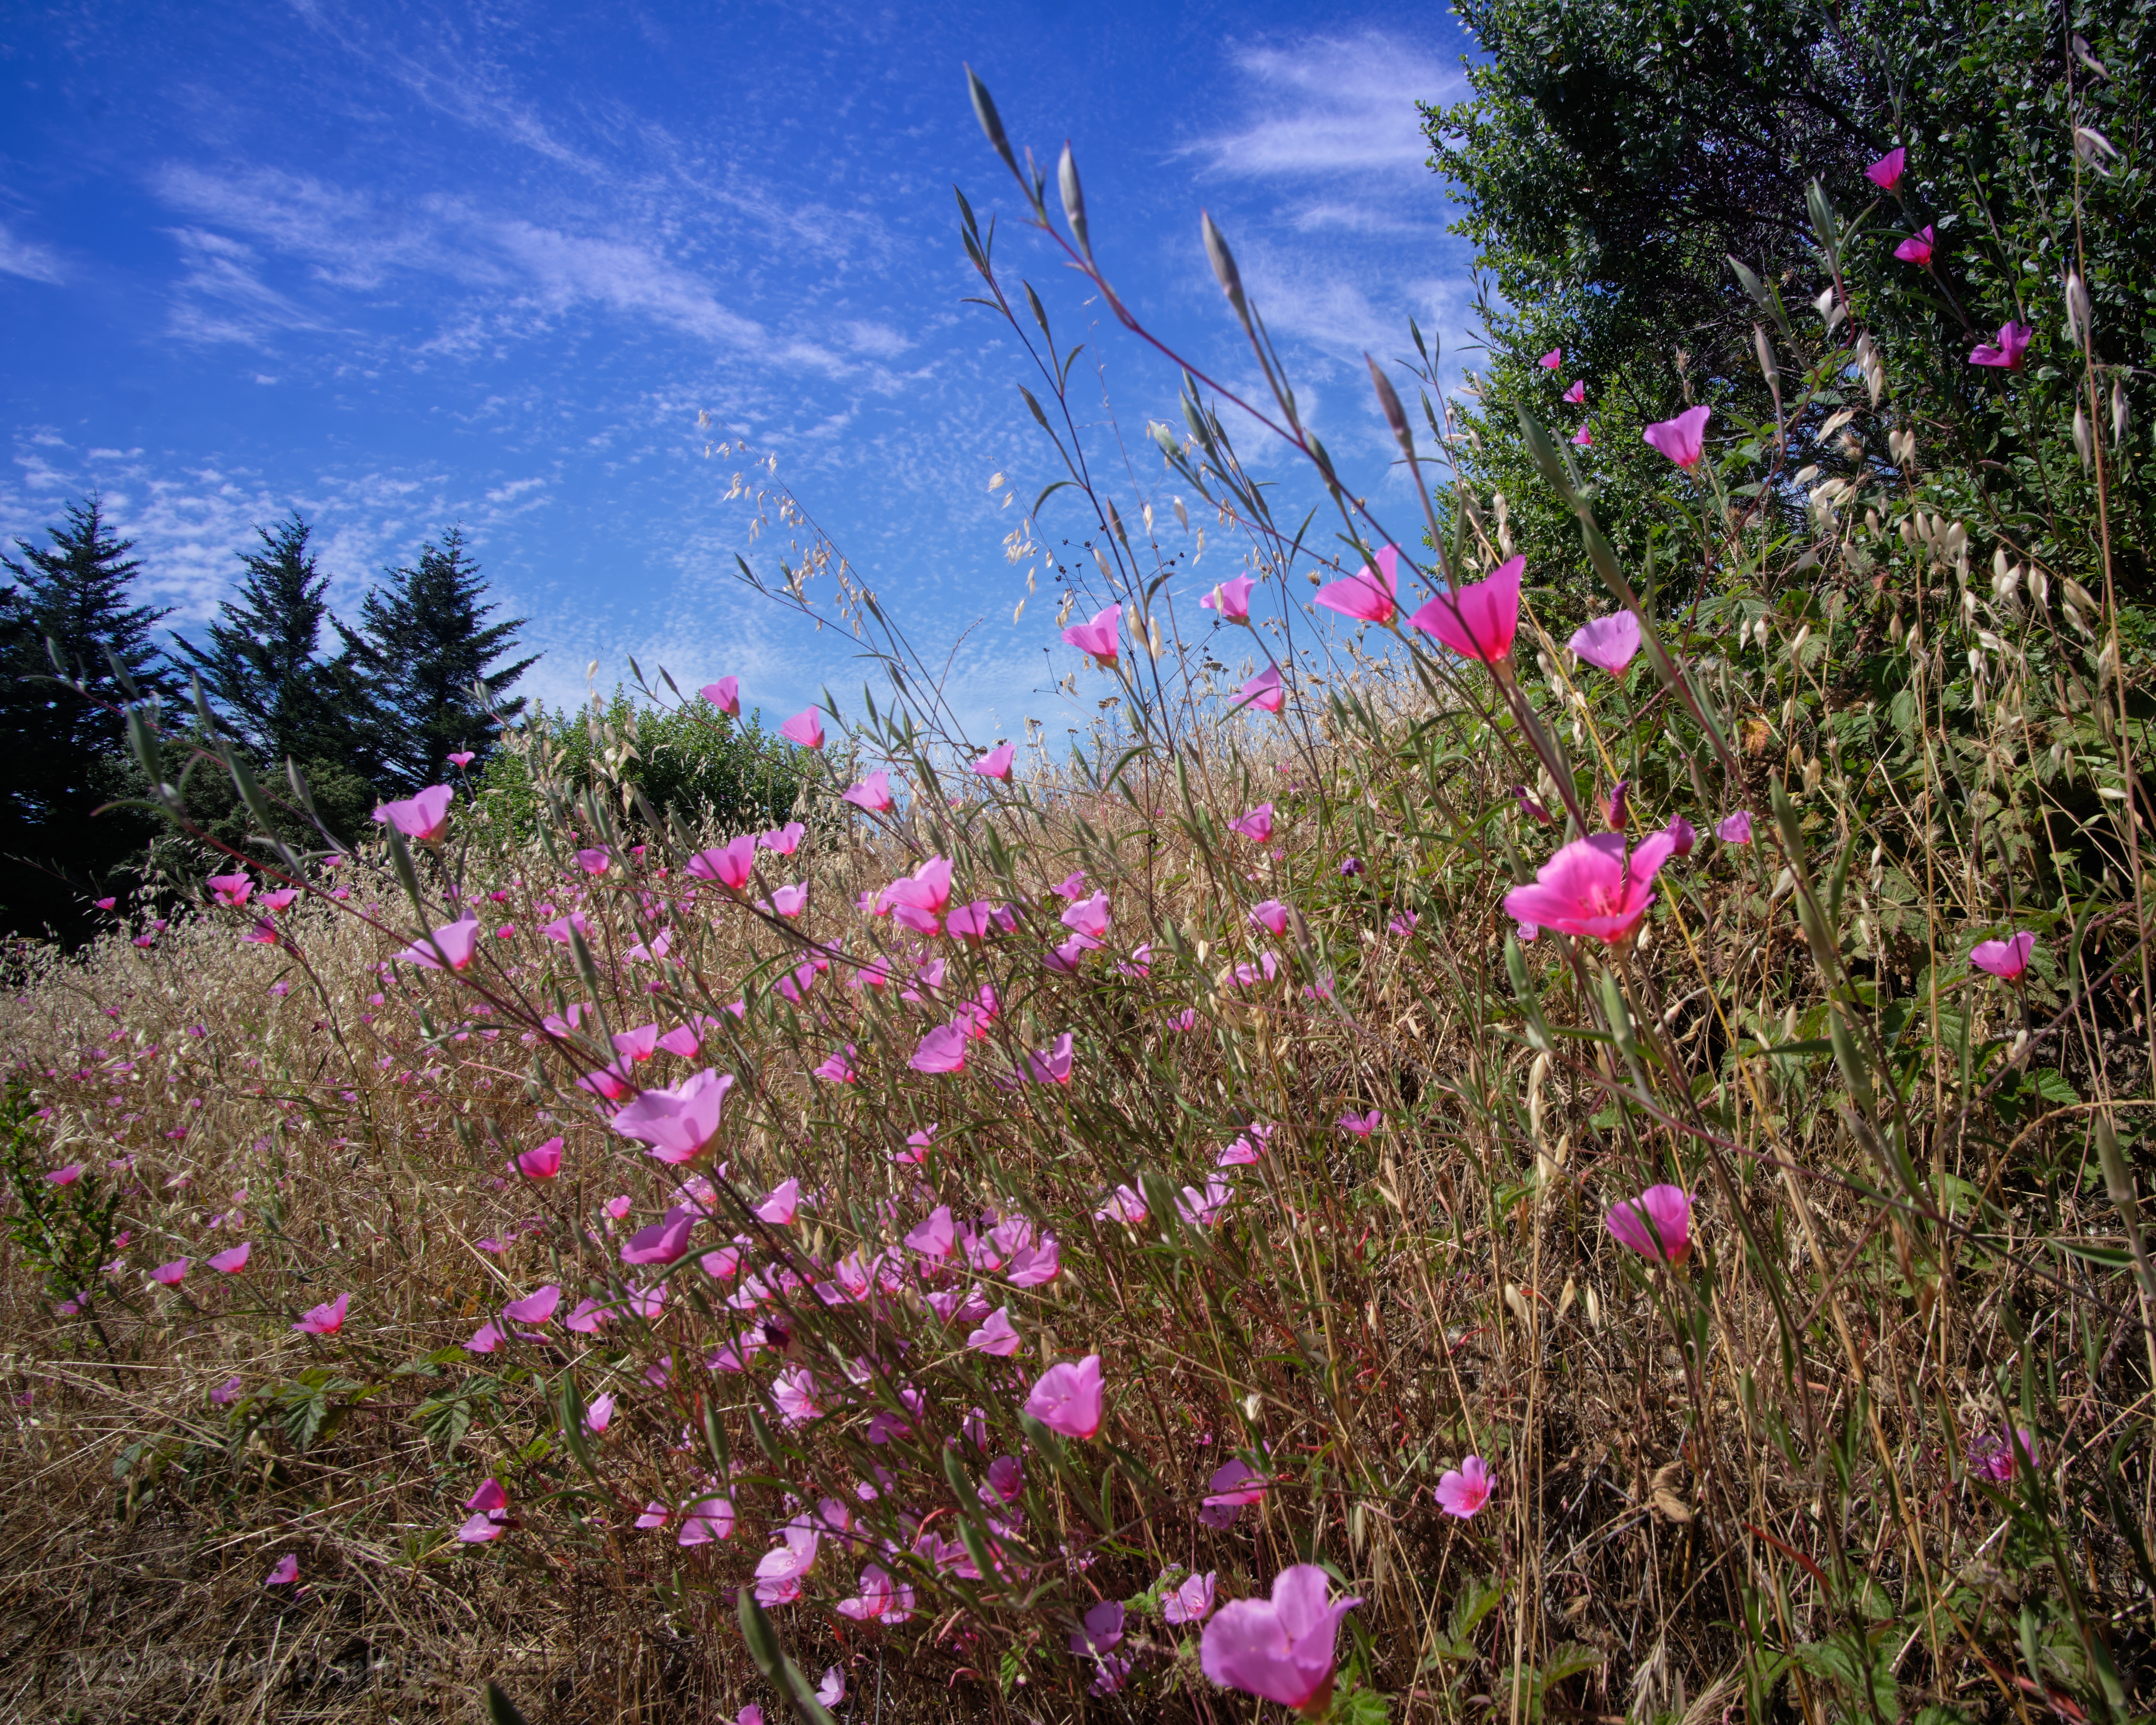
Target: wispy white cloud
[(27, 259), (1331, 106)]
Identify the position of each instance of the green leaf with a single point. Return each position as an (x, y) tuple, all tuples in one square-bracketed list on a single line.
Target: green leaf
[(501, 1710)]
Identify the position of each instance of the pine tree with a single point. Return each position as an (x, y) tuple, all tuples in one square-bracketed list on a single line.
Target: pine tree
[(423, 644)]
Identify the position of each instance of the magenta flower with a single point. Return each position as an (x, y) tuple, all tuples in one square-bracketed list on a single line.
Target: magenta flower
[(169, 1274), (788, 901), (64, 1176), (424, 818), (725, 694), (793, 1394), (595, 860), (1256, 826), (1361, 1124), (1102, 1629), (1681, 835), (778, 1572), (232, 1262), (778, 1205), (838, 1068), (600, 1415), (226, 1393), (1263, 692), (1067, 1399), (1681, 438), (541, 1163), (1098, 637), (2004, 959), (1051, 1065), (934, 1235), (1231, 598), (325, 1319), (462, 757), (1192, 1601), (943, 1049), (1463, 1489), (1124, 1206), (805, 727), (1578, 392), (1608, 643), (879, 1600), (783, 841), (1271, 915), (666, 1241), (1735, 829), (1089, 918), (1281, 1649), (231, 890), (1918, 247), (1583, 439), (705, 1520), (1207, 1208), (1656, 1225), (1369, 595), (996, 1336), (1036, 1265), (1234, 1486), (678, 1121), (730, 867), (534, 1308), (1994, 1457), (450, 946), (286, 1573), (2006, 355), (997, 763), (490, 1508), (1590, 888), (1552, 360), (1479, 620), (1886, 173), (975, 922), (872, 794)]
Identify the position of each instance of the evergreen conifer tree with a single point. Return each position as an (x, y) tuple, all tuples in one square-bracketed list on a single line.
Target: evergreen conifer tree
[(423, 644), (260, 669)]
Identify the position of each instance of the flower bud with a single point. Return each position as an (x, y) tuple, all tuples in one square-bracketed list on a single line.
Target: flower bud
[(2077, 309), (2120, 418), (2084, 442)]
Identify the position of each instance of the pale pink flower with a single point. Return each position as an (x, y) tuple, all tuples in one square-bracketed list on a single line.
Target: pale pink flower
[(934, 1236), (943, 1049), (833, 1689), (725, 694), (1051, 1065), (730, 865), (1271, 915), (541, 1163), (996, 1336), (872, 794), (534, 1308), (1656, 1225), (1369, 595), (424, 818), (997, 763), (1191, 1601), (325, 1319), (2006, 354), (639, 1044), (677, 1121), (452, 944), (778, 1205), (1256, 826), (2004, 959), (286, 1573), (595, 861), (778, 1572), (1088, 919), (1591, 888), (232, 1262), (1886, 173), (788, 901), (1281, 1649), (1067, 1398), (1098, 637), (707, 1519), (1124, 1206), (1735, 829), (805, 727), (793, 1394), (461, 757), (1263, 692), (1608, 643), (879, 1600), (1681, 438), (1231, 598), (1463, 1489), (1034, 1266), (1479, 620), (600, 1415)]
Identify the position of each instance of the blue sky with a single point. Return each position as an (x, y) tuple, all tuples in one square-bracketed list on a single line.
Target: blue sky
[(402, 266)]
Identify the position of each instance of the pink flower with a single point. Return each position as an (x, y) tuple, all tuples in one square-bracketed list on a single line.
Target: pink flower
[(1067, 1399), (1124, 1206), (1263, 692), (1682, 836), (1280, 1649), (1680, 438), (1034, 1266), (453, 943), (2004, 959), (231, 890), (1918, 247), (805, 727), (542, 1163), (1994, 1457), (934, 1236), (637, 1045), (324, 1320), (485, 1339), (64, 1176), (778, 1572), (872, 794), (1886, 173), (917, 901), (108, 904), (879, 1600), (778, 1205), (286, 1573), (664, 1242), (600, 1415), (424, 818), (232, 1262), (1578, 392), (595, 861), (1583, 439), (559, 929), (833, 1689), (169, 1274), (2006, 355), (997, 763), (684, 1040), (1552, 360), (1098, 637), (462, 757), (1735, 829), (1101, 1629), (1608, 643), (1369, 595), (1256, 826), (1463, 1489), (534, 1308), (1590, 888), (1088, 919), (943, 1049), (1271, 915), (996, 1336), (1361, 1124), (1231, 598), (1234, 1486), (838, 1068), (725, 694), (1477, 621), (226, 1393), (705, 1520), (730, 865), (1192, 1602), (678, 1121), (1656, 1225)]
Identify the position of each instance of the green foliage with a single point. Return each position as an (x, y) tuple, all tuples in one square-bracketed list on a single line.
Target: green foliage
[(691, 762), (67, 1232)]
